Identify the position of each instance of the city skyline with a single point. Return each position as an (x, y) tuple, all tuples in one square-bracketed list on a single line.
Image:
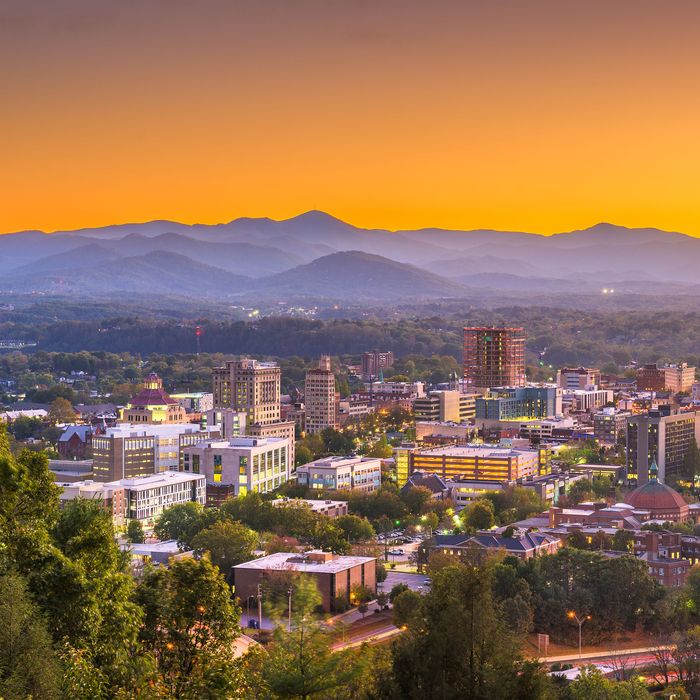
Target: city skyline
[(543, 117)]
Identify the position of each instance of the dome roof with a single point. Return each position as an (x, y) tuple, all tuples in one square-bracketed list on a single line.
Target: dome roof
[(655, 496)]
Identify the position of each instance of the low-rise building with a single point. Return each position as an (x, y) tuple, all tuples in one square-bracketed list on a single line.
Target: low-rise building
[(331, 509), (578, 377), (523, 545), (153, 405), (239, 465), (342, 473), (75, 442), (518, 403), (335, 576), (479, 462), (142, 499)]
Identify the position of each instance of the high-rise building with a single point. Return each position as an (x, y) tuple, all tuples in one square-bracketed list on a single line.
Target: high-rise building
[(609, 425), (374, 362), (494, 357), (660, 437), (321, 399), (578, 377), (250, 387)]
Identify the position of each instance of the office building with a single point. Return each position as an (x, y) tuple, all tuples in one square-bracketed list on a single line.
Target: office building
[(578, 378), (494, 357), (479, 462), (153, 405), (321, 400), (283, 429), (127, 451), (239, 465), (250, 387), (449, 406), (374, 363), (519, 403), (342, 473), (142, 499), (335, 576), (586, 400), (659, 437), (673, 378), (609, 425)]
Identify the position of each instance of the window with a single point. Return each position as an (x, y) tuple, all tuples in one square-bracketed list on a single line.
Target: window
[(217, 468)]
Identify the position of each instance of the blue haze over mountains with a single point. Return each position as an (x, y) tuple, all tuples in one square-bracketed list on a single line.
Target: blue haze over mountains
[(316, 256)]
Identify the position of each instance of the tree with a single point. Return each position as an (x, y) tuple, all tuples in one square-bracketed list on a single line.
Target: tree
[(301, 663), (622, 541), (592, 685), (397, 590), (228, 544), (416, 498), (28, 666), (190, 624), (182, 521), (476, 660), (302, 455), (381, 448), (134, 532), (355, 529), (328, 537), (581, 490), (61, 411), (406, 605), (479, 515)]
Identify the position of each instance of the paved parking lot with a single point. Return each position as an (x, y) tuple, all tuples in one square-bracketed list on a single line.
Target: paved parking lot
[(416, 582)]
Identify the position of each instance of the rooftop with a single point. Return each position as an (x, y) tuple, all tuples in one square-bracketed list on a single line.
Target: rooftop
[(293, 561), (482, 451)]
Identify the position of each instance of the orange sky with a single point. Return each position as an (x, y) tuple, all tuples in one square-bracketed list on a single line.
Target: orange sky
[(539, 115)]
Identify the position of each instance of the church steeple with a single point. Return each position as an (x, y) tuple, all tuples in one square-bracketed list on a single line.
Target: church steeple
[(653, 470)]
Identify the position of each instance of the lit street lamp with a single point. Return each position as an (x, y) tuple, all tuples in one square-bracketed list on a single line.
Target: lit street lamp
[(580, 620)]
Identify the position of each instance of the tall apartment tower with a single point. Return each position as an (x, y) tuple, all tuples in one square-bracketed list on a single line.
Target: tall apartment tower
[(494, 357), (320, 397), (250, 387)]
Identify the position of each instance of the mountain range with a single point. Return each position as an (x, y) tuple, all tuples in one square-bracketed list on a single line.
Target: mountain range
[(316, 256)]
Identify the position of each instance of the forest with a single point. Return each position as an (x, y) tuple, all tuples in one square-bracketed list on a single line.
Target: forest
[(604, 338)]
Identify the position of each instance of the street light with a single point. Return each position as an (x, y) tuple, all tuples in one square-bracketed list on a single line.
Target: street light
[(289, 592), (580, 620)]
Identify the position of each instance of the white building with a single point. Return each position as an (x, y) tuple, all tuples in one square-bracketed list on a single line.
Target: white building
[(340, 473), (240, 465), (143, 498)]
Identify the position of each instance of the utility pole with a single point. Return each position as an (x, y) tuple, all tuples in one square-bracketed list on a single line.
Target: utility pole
[(289, 625), (259, 606)]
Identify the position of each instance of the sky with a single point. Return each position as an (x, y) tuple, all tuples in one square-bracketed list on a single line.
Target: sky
[(534, 115)]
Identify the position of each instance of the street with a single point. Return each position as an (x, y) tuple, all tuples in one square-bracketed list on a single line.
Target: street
[(416, 582)]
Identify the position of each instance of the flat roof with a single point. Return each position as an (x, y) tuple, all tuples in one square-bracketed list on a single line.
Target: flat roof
[(477, 451), (291, 561), (151, 480)]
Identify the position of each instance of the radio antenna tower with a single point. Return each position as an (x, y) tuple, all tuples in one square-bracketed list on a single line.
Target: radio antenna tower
[(198, 333)]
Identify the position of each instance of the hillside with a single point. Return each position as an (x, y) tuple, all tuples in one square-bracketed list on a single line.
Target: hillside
[(355, 274)]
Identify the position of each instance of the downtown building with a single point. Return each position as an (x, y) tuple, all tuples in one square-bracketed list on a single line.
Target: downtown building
[(239, 465), (578, 378), (247, 400), (673, 378), (519, 403), (321, 400), (374, 363), (351, 473), (449, 406), (659, 437), (129, 451), (494, 357)]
